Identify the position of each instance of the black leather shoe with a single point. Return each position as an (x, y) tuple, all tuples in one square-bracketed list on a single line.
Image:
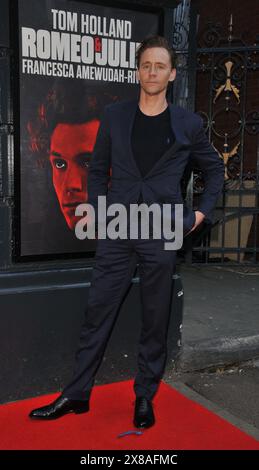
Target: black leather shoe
[(143, 415), (60, 407)]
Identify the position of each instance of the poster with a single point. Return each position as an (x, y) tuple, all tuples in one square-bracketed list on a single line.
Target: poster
[(74, 58)]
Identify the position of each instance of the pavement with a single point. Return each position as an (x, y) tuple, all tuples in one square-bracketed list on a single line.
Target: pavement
[(231, 393), (220, 316), (218, 366)]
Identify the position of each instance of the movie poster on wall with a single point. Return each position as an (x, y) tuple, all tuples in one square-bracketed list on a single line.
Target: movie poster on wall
[(74, 58)]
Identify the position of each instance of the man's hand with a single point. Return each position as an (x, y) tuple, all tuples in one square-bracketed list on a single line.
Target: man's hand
[(199, 217)]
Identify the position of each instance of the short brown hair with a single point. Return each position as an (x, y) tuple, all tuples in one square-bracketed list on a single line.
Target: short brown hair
[(155, 41)]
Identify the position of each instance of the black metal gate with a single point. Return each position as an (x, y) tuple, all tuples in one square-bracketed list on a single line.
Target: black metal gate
[(217, 74)]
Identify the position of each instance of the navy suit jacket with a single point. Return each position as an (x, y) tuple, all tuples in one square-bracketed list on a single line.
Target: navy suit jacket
[(162, 184)]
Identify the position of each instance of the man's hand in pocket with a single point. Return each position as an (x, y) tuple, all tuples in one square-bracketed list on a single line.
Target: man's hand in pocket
[(199, 217)]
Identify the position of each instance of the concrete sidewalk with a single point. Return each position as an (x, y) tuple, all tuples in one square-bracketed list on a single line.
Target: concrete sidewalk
[(232, 395), (221, 316)]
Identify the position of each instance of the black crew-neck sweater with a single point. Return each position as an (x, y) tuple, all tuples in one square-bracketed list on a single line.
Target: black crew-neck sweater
[(151, 137)]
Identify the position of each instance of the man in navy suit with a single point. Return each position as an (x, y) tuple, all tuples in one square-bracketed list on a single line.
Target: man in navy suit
[(147, 143)]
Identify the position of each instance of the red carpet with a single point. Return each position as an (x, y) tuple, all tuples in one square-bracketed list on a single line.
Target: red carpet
[(181, 424)]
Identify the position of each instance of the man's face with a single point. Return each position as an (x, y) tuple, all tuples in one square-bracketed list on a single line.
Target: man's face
[(155, 70), (71, 147)]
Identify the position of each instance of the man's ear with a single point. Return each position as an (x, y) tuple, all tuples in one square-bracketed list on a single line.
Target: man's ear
[(137, 74), (172, 75)]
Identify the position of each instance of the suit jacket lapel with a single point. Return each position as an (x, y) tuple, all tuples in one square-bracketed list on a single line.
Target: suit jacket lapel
[(176, 116)]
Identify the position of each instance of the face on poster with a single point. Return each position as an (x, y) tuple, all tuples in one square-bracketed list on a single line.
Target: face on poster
[(74, 58)]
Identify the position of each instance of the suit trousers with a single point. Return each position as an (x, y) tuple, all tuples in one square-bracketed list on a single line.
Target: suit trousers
[(115, 263)]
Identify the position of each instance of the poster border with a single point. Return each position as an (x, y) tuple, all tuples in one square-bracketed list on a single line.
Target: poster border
[(15, 175)]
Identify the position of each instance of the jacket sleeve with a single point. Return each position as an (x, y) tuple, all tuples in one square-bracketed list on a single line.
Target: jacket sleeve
[(209, 161), (100, 162)]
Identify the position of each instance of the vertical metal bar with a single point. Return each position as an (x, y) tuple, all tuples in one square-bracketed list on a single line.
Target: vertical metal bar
[(241, 177), (192, 56), (192, 51), (256, 234)]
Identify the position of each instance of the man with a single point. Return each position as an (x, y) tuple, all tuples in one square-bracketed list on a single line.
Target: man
[(148, 143), (71, 147), (64, 131)]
